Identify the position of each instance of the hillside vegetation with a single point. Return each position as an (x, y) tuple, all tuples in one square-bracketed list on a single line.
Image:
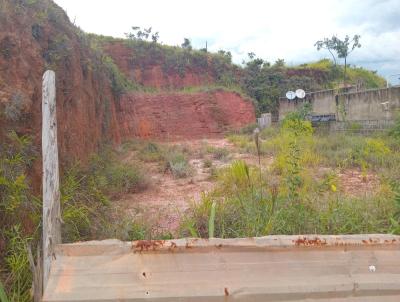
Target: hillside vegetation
[(257, 78)]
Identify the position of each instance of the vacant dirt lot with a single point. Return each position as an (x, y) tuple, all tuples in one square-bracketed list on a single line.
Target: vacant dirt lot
[(167, 197)]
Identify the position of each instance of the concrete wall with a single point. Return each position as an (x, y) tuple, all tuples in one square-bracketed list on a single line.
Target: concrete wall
[(376, 104), (373, 104), (323, 102), (286, 106)]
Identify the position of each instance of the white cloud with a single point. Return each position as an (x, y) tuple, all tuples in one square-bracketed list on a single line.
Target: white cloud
[(271, 29)]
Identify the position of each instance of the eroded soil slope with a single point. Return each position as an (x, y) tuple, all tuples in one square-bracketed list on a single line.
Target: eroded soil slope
[(35, 36), (178, 115)]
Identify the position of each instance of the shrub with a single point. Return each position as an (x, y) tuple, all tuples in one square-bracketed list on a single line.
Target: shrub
[(125, 178), (151, 152), (119, 83), (218, 153), (114, 177), (297, 127), (178, 164), (82, 206)]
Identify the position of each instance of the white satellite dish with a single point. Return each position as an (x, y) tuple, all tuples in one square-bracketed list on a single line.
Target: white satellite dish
[(300, 93), (290, 95)]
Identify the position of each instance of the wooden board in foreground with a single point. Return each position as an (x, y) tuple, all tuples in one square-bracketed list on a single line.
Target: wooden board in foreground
[(273, 268)]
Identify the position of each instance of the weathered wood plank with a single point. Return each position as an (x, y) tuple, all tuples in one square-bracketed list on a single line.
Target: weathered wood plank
[(274, 268), (51, 192)]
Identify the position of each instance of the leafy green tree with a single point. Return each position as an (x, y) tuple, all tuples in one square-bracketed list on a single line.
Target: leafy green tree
[(251, 55), (143, 34), (279, 63), (327, 44), (186, 44), (155, 37), (343, 48), (226, 54)]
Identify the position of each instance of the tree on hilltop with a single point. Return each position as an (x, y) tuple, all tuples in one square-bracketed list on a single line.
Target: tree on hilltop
[(186, 44), (343, 48), (144, 34)]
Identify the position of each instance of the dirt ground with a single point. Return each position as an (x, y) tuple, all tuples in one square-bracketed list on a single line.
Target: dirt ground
[(167, 197)]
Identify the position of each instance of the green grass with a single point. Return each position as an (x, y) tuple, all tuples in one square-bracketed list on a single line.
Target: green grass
[(151, 152), (173, 159), (3, 295), (177, 163), (20, 214), (86, 193), (217, 153), (353, 74), (293, 196)]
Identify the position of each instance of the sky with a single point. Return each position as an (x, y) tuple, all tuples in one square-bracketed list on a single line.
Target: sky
[(272, 29)]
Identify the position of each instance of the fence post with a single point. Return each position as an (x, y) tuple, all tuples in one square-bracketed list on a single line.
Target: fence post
[(51, 191)]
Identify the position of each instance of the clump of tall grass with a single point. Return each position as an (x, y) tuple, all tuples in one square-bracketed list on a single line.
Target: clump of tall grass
[(177, 163), (85, 194), (151, 152), (3, 294), (243, 142), (235, 209), (173, 159), (19, 214), (218, 153)]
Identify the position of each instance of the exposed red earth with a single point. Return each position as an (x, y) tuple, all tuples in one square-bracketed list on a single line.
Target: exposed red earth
[(178, 115)]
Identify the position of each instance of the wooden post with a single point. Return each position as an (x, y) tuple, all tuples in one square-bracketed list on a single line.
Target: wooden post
[(51, 191)]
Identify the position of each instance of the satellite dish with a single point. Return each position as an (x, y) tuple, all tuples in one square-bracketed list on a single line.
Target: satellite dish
[(290, 95), (300, 93)]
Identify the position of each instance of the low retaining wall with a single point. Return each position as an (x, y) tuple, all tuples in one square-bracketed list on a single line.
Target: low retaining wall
[(273, 268), (368, 105)]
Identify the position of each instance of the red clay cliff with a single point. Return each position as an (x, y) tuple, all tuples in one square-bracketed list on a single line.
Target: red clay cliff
[(39, 36), (179, 115)]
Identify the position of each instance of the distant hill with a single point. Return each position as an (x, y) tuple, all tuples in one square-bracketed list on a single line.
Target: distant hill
[(161, 67)]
